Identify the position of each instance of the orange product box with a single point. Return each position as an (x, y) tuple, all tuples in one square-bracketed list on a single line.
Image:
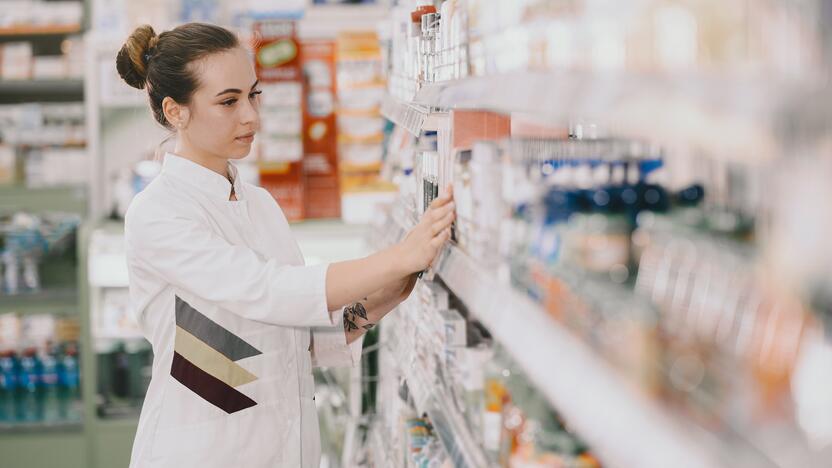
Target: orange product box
[(320, 138), (285, 184), (471, 126), (276, 51)]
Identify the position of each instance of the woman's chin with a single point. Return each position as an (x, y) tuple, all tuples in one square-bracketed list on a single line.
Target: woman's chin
[(239, 151)]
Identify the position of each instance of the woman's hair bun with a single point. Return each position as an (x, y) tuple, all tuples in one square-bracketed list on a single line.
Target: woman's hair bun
[(132, 59)]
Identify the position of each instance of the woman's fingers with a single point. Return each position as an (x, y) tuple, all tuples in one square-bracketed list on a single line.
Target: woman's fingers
[(437, 215), (443, 223), (444, 199), (440, 240)]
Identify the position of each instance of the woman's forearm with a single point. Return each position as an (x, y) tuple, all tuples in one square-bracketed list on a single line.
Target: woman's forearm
[(361, 316), (351, 281)]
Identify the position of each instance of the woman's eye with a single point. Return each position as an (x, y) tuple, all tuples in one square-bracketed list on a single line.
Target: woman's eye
[(229, 102), (254, 94)]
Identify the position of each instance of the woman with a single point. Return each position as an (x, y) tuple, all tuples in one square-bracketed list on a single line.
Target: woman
[(218, 283)]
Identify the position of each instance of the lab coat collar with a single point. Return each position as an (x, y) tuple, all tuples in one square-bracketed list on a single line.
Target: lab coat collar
[(204, 179)]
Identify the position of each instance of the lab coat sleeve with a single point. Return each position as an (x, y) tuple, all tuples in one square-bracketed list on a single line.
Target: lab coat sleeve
[(188, 255), (330, 348)]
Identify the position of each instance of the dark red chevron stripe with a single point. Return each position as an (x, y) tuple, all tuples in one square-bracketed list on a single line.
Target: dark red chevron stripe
[(213, 390)]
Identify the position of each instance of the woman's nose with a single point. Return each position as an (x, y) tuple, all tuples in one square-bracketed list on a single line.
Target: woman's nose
[(250, 114)]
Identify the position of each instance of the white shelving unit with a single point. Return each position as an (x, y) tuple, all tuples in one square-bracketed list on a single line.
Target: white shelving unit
[(624, 426), (448, 422), (728, 117)]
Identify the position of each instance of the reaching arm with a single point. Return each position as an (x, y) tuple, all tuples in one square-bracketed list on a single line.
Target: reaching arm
[(351, 281), (362, 316)]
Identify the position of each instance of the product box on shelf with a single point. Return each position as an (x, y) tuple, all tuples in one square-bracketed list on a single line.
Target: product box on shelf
[(16, 61), (39, 370), (360, 78), (280, 158), (320, 138), (436, 363), (7, 164)]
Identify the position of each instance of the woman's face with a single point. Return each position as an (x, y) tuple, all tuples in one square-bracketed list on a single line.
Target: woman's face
[(224, 110)]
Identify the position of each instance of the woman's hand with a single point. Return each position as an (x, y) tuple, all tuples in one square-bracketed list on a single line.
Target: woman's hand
[(423, 243), (402, 289), (355, 280)]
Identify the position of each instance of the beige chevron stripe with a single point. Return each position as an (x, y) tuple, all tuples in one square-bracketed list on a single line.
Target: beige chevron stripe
[(210, 360)]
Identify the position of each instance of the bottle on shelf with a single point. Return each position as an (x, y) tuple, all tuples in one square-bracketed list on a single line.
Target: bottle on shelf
[(49, 385), (69, 380), (8, 386), (496, 399), (28, 375)]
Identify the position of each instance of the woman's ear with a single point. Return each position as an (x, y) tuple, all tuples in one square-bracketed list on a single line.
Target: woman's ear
[(175, 113)]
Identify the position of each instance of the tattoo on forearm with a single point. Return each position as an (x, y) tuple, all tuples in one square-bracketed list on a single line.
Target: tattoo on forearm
[(352, 314)]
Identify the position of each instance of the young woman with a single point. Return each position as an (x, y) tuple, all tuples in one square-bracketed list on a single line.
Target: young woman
[(218, 283)]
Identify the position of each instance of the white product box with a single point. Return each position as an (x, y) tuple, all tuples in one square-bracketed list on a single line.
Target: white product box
[(360, 127), (368, 97), (65, 12), (49, 66), (362, 208), (281, 95), (276, 122), (279, 149), (73, 49), (455, 332), (57, 167), (360, 153), (10, 331), (434, 296), (16, 61), (7, 164)]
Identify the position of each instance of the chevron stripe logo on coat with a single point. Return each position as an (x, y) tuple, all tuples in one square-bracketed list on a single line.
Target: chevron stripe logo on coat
[(204, 360)]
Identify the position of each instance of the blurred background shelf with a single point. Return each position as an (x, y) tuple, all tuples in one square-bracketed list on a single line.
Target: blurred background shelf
[(65, 448), (42, 200), (404, 114), (539, 344), (36, 427), (35, 31), (41, 90), (50, 300), (729, 117)]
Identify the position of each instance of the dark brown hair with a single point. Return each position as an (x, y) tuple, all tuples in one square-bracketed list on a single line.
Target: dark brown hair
[(161, 63)]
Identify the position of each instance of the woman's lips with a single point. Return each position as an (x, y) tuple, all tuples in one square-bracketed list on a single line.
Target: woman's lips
[(248, 138)]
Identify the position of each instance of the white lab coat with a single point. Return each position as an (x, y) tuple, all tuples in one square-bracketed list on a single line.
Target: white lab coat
[(236, 322)]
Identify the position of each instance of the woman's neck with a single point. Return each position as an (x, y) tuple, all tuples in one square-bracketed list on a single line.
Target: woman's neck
[(214, 162)]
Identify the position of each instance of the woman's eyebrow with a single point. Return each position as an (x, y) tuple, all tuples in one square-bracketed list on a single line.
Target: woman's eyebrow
[(229, 90), (236, 90)]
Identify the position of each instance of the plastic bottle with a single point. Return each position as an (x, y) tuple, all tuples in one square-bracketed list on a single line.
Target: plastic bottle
[(69, 384), (496, 398), (8, 385), (49, 385), (27, 388)]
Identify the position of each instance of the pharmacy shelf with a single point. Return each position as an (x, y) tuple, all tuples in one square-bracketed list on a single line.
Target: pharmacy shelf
[(326, 21), (19, 91), (51, 300), (42, 200), (408, 116), (381, 451), (447, 420), (453, 431), (726, 116), (99, 335), (434, 400), (26, 31), (547, 352), (624, 426), (39, 427)]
